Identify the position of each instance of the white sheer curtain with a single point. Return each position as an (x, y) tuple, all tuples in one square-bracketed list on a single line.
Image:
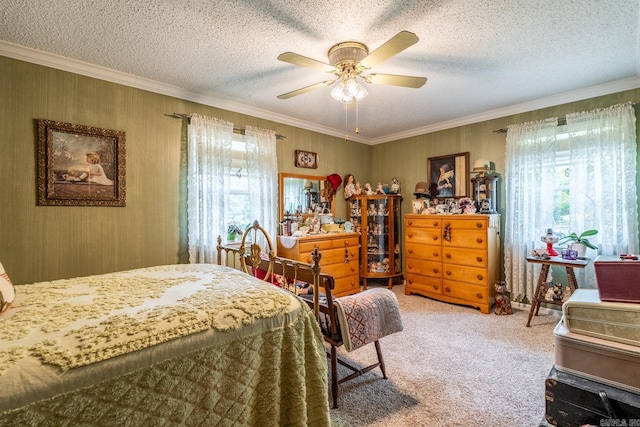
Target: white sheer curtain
[(262, 166), (209, 166), (602, 188), (529, 178), (603, 192)]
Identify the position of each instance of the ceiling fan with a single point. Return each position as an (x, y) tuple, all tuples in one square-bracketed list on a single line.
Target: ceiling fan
[(349, 60)]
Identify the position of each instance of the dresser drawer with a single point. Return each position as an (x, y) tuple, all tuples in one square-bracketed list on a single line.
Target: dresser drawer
[(471, 257), (341, 269), (425, 236), (426, 252), (424, 268), (417, 283), (473, 294), (306, 247), (352, 242), (346, 285), (467, 239), (466, 223), (473, 275), (422, 222)]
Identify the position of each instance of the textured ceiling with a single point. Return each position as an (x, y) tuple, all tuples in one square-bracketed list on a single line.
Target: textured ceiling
[(483, 59)]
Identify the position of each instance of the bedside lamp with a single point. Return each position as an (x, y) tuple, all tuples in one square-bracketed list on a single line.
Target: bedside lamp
[(482, 167)]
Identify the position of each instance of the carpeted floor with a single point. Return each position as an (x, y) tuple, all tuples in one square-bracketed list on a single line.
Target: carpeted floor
[(453, 366)]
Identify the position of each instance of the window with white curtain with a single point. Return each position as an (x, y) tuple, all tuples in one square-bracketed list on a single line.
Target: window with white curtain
[(229, 180), (572, 178)]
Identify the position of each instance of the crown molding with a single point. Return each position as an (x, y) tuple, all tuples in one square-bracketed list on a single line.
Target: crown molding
[(90, 70), (551, 101)]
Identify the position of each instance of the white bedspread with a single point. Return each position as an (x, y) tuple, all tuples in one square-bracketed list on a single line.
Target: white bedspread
[(166, 345)]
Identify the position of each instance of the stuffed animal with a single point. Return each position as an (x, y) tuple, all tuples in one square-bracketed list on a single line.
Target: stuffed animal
[(503, 304)]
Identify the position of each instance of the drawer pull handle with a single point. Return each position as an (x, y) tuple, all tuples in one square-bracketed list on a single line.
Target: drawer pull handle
[(448, 289), (410, 251), (435, 270), (448, 273), (435, 223), (479, 296), (448, 256), (410, 222), (410, 266), (436, 287), (410, 281), (410, 235), (479, 240), (435, 237), (479, 224), (446, 235), (479, 259), (436, 254), (480, 277)]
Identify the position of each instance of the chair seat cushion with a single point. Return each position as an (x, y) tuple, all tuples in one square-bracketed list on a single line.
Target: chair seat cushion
[(367, 316)]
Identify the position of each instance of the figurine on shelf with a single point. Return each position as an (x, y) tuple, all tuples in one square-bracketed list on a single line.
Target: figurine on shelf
[(368, 190), (395, 186), (380, 189), (349, 186), (358, 189)]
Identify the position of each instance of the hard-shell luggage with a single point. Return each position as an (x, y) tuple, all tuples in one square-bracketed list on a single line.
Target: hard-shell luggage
[(618, 278), (571, 400), (584, 313), (605, 361)]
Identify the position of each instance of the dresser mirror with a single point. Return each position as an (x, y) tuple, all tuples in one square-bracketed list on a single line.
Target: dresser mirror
[(302, 195)]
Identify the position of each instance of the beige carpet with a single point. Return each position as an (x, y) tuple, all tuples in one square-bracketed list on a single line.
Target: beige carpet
[(453, 366)]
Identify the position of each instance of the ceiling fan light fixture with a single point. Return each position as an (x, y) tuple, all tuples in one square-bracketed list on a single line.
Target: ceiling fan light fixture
[(348, 90)]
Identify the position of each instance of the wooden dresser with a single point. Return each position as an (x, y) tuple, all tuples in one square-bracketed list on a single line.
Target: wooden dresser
[(340, 257), (452, 258)]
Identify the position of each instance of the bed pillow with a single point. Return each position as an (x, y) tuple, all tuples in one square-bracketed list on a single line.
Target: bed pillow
[(7, 290)]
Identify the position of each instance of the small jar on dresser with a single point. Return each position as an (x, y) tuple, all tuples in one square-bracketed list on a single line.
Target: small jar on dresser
[(340, 257), (452, 258)]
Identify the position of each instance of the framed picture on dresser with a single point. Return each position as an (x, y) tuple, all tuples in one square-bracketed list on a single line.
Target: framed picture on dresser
[(449, 175)]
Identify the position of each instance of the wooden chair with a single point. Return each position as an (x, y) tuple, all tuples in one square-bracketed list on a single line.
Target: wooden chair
[(263, 263)]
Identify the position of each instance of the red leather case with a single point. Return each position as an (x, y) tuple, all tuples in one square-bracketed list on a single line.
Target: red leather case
[(618, 278)]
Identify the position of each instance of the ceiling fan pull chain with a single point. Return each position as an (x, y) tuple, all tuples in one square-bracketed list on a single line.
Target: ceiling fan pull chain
[(357, 129), (346, 123)]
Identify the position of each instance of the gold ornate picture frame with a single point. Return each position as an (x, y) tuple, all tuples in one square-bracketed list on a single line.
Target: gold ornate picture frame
[(80, 165)]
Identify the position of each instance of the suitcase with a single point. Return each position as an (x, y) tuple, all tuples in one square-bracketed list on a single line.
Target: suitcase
[(571, 400), (584, 313), (597, 359), (618, 279)]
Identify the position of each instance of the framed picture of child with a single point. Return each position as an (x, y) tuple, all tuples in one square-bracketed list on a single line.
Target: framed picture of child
[(80, 165), (449, 175)]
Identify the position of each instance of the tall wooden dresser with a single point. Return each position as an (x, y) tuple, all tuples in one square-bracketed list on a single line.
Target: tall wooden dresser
[(452, 258), (340, 257)]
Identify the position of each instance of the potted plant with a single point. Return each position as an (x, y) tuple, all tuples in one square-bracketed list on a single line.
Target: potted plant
[(580, 243), (233, 232)]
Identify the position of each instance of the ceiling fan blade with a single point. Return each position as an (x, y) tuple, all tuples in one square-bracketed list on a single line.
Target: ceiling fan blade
[(393, 46), (305, 89), (303, 61), (394, 80)]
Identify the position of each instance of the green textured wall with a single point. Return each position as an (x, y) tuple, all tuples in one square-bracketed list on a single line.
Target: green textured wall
[(46, 242), (50, 242)]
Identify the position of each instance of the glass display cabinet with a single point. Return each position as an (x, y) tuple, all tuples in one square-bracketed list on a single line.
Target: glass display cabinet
[(485, 194), (377, 219)]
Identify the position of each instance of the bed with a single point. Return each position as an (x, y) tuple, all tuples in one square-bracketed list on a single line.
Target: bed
[(188, 344)]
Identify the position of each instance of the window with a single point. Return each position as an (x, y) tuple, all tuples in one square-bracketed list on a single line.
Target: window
[(239, 201)]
